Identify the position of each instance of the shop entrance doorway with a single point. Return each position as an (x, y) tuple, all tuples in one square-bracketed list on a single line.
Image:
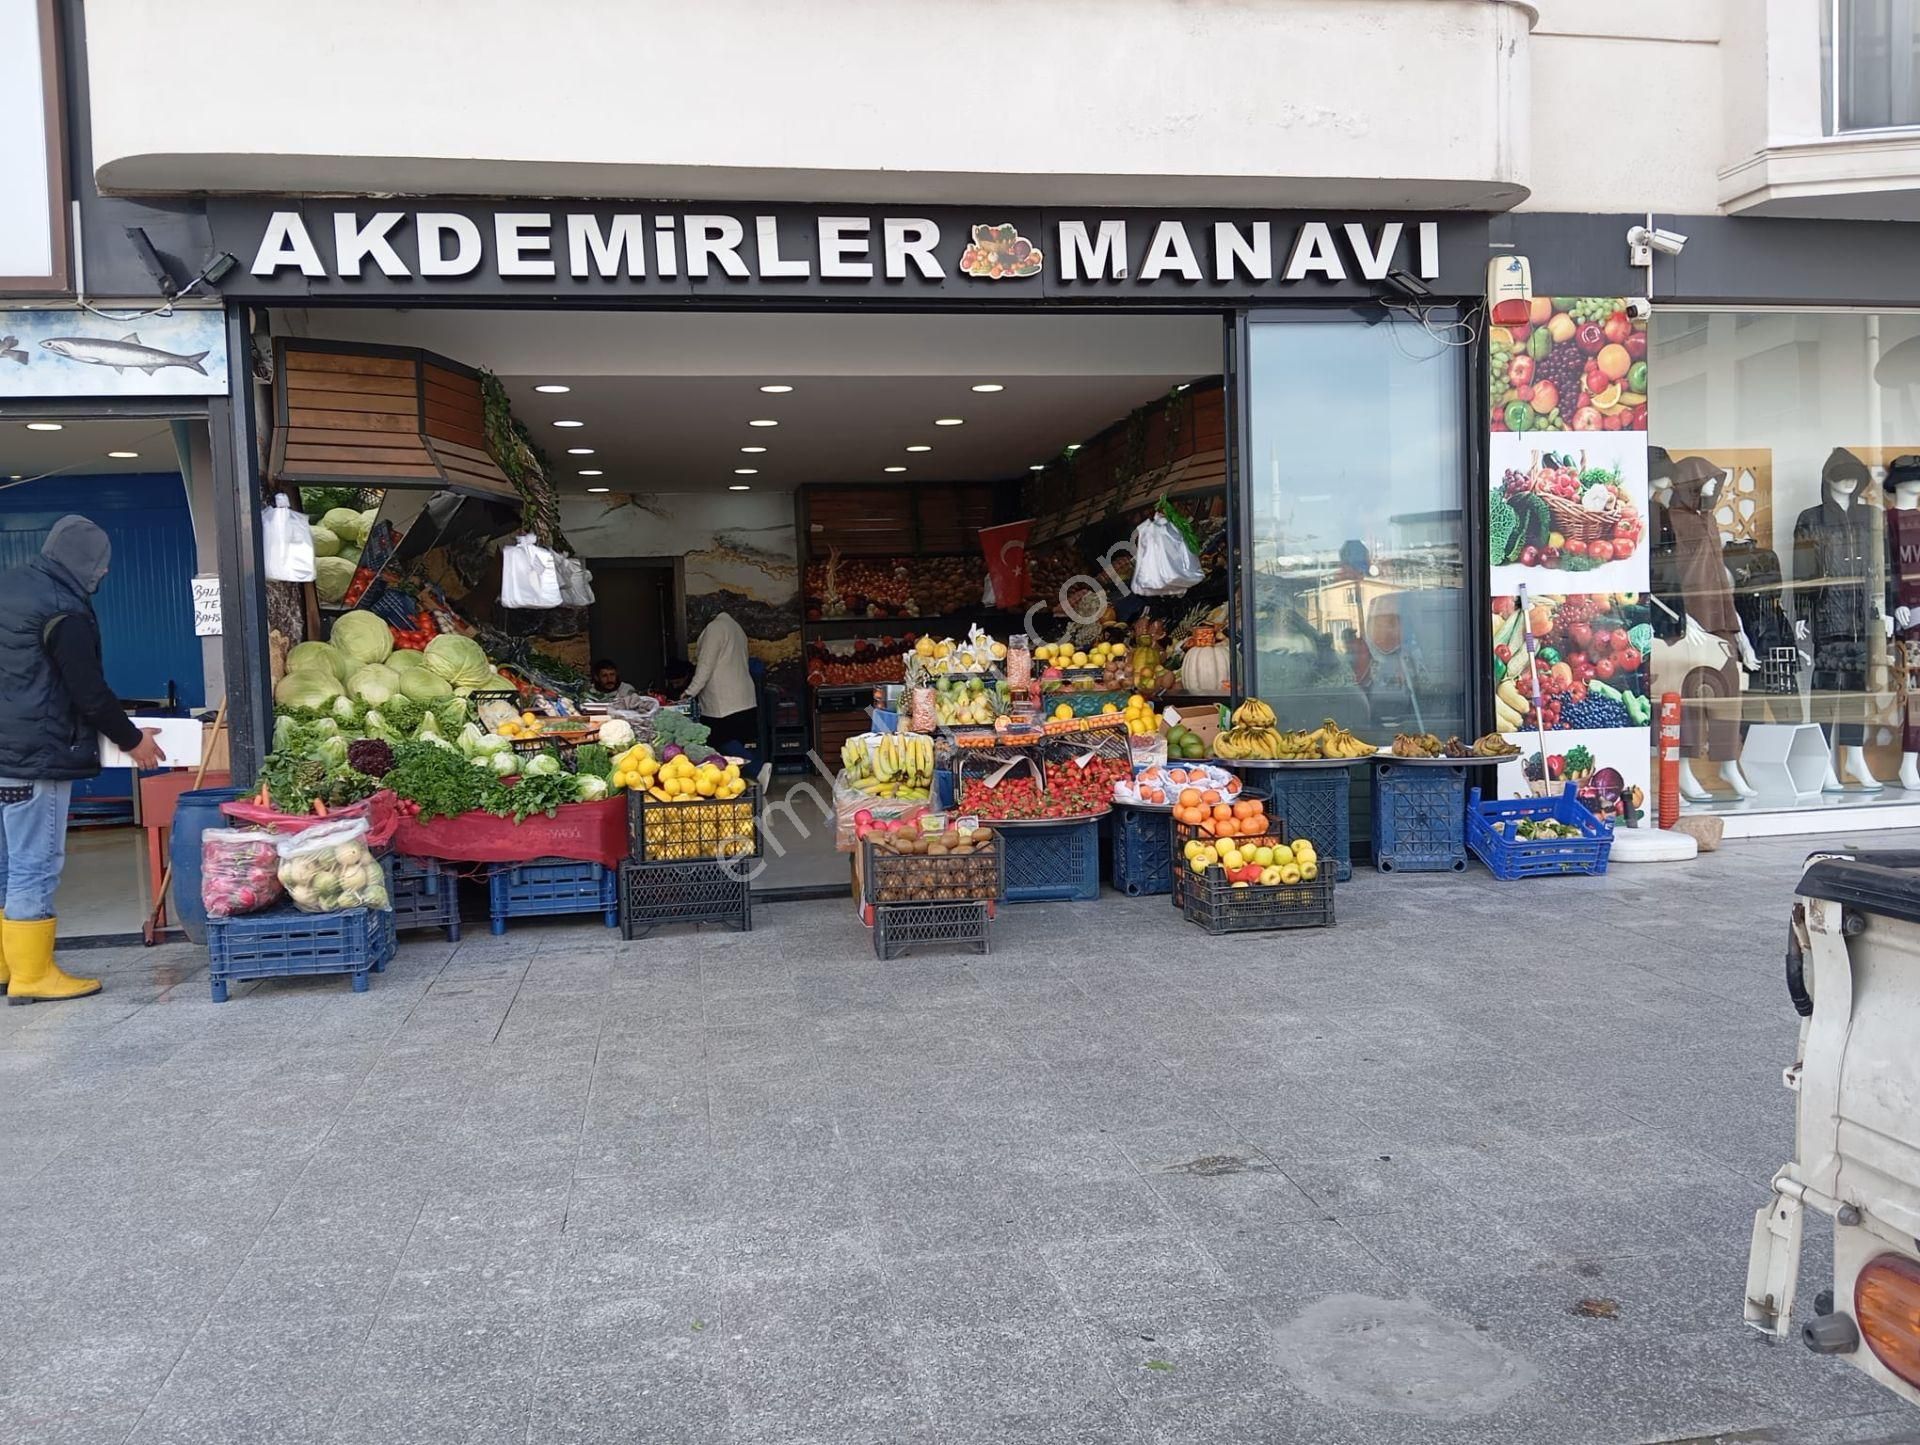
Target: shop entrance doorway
[(635, 618)]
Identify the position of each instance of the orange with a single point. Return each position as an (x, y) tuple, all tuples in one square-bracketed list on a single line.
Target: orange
[(1189, 797), (1210, 796)]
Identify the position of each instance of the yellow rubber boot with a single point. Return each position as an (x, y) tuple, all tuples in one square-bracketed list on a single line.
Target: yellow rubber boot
[(35, 977), (4, 975)]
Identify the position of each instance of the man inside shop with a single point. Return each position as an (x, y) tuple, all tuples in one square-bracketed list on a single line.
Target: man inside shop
[(608, 687), (59, 705)]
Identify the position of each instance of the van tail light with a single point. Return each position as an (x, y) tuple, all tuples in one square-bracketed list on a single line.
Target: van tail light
[(1886, 1304)]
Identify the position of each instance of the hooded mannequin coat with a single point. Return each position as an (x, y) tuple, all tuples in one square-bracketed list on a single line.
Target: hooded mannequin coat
[(1834, 549)]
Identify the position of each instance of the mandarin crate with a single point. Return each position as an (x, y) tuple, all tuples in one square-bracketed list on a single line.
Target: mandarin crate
[(1142, 851), (1051, 861), (1315, 801), (551, 887), (283, 942), (425, 893), (1489, 835), (1220, 907), (1182, 833), (696, 831), (1419, 817), (898, 927), (888, 877), (656, 893)]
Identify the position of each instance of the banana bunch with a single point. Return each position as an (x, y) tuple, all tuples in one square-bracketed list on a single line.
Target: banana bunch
[(1253, 713), (1337, 742), (1509, 707), (1422, 745), (1492, 745), (889, 765)]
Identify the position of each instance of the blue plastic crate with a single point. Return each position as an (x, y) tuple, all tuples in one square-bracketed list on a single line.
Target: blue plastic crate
[(1419, 817), (426, 894), (283, 942), (1052, 861), (1315, 803), (1142, 851), (1509, 857), (549, 887)]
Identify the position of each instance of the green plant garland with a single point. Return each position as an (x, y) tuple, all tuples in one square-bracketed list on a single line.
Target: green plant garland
[(516, 455)]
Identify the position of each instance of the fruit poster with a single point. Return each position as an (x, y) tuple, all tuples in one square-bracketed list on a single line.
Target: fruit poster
[(1568, 529)]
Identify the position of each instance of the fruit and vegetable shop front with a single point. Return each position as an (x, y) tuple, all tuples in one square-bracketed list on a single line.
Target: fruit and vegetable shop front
[(1071, 555)]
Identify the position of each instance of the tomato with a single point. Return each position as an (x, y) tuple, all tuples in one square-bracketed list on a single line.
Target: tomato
[(1629, 659), (1622, 549), (1580, 634), (1604, 669), (1575, 547)]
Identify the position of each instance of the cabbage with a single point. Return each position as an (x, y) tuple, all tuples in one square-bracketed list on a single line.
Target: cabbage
[(367, 519), (318, 654), (326, 542), (314, 687), (374, 684), (346, 710), (460, 660), (363, 637), (506, 764), (452, 714), (588, 789), (345, 523), (469, 740), (400, 659), (424, 685), (332, 576), (542, 765)]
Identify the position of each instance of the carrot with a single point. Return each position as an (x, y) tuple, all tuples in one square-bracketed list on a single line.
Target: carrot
[(319, 808)]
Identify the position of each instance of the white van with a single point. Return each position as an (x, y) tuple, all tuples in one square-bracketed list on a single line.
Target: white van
[(1853, 972)]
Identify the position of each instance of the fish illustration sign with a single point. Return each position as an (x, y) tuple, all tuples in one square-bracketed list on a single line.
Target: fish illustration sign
[(70, 353), (585, 252)]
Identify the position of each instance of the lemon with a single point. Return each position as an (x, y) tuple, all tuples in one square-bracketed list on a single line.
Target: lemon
[(1063, 711), (1107, 709)]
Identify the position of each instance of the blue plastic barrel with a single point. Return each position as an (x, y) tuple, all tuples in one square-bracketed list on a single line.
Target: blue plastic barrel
[(194, 814)]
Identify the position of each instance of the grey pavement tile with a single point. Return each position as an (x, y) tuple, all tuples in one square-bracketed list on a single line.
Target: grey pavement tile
[(59, 1419), (1351, 1184), (1063, 1211), (296, 1417), (374, 1411), (1093, 1420), (1216, 1347), (1303, 1260), (1442, 1239), (1136, 1277), (439, 1348), (658, 1396)]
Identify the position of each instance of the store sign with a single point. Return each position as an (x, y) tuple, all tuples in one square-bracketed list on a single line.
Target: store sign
[(206, 607), (65, 352), (365, 248)]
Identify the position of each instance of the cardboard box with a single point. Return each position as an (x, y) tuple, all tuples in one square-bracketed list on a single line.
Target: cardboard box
[(1202, 719), (216, 750), (181, 739)]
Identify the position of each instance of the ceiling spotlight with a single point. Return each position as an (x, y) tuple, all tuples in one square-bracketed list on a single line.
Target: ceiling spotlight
[(569, 423), (1182, 386), (579, 451), (596, 490), (753, 449), (776, 388), (43, 426), (988, 386), (923, 447), (1072, 447), (893, 469), (553, 388), (746, 471), (1036, 466), (592, 472), (123, 456), (949, 421), (739, 487), (764, 421)]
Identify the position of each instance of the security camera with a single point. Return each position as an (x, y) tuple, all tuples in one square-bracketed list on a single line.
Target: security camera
[(1638, 308), (1643, 241)]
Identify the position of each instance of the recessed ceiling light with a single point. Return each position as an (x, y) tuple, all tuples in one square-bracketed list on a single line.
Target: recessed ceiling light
[(753, 449), (777, 387), (949, 421), (597, 489), (592, 472), (764, 421), (893, 469), (988, 386), (1073, 447), (553, 388), (923, 447), (569, 423), (123, 456), (579, 451), (43, 426), (746, 471), (1183, 386), (739, 487), (1036, 466)]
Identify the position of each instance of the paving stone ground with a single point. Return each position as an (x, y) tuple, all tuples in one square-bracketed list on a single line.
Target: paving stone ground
[(1115, 1182)]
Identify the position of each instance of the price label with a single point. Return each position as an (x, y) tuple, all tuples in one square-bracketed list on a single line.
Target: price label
[(206, 607)]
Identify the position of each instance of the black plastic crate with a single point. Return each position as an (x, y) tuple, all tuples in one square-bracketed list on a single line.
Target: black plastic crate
[(656, 893), (425, 893), (898, 927), (696, 831), (894, 878), (1219, 907)]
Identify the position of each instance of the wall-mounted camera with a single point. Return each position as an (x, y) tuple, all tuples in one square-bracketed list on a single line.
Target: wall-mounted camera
[(1638, 308), (1643, 241)]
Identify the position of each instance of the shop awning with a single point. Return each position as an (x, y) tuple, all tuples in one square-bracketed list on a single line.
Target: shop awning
[(351, 414)]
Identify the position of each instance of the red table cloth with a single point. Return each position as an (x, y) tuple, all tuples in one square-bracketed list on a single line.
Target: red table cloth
[(583, 832)]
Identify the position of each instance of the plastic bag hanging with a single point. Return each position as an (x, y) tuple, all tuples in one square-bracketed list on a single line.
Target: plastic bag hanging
[(529, 575), (576, 582), (1163, 563), (286, 543)]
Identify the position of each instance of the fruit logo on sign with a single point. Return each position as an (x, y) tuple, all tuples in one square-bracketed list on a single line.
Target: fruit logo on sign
[(998, 252)]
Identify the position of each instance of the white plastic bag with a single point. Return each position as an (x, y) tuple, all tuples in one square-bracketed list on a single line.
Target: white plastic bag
[(529, 575), (576, 582), (286, 543), (328, 868), (1163, 563)]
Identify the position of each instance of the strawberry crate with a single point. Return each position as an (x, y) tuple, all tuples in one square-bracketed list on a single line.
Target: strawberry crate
[(283, 942), (1051, 861), (656, 893), (551, 887), (1492, 834), (698, 830)]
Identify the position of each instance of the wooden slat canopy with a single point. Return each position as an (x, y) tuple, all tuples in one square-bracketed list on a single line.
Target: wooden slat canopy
[(351, 414)]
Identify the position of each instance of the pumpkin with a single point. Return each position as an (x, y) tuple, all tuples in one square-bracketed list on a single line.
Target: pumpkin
[(1207, 666)]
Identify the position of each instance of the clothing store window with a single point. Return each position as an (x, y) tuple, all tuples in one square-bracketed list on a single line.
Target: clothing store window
[(1870, 64), (1785, 475), (1357, 472)]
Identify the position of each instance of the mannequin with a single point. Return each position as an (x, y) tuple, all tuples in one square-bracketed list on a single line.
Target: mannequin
[(1687, 570), (1832, 546), (1903, 596)]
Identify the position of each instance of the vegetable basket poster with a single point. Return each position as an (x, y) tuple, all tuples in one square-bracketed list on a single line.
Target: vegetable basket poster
[(1567, 528)]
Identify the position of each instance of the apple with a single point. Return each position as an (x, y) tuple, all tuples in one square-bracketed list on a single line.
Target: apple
[(1520, 369), (1619, 327), (1587, 419), (1546, 396), (1590, 338)]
